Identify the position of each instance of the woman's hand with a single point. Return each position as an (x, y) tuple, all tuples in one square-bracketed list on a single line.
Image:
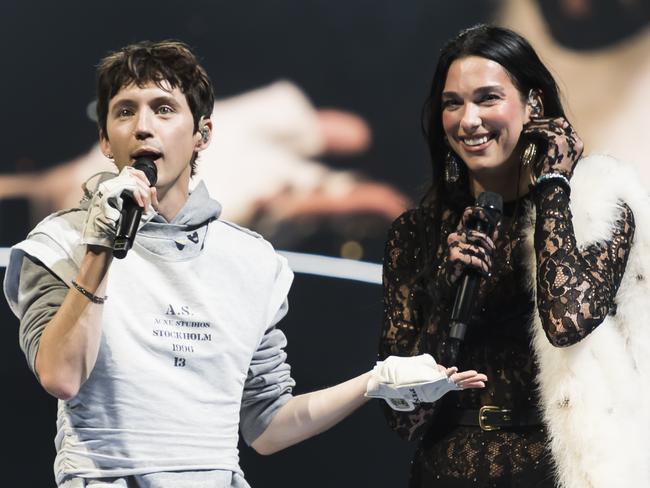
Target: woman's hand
[(562, 145), (467, 249)]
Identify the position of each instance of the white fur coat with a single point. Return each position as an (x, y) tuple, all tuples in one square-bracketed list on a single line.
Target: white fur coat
[(595, 394)]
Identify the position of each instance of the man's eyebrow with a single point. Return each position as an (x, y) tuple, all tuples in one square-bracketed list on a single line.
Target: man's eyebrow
[(163, 99), (123, 102)]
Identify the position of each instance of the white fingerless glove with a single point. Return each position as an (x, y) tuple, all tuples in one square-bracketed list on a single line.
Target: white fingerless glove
[(105, 209), (406, 381)]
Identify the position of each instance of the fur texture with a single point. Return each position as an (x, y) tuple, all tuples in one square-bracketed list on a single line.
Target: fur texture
[(594, 394)]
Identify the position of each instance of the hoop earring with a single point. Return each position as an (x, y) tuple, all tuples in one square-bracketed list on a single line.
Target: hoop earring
[(529, 154), (452, 167)]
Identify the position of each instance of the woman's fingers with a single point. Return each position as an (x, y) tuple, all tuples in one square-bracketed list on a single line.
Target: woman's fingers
[(474, 216), (481, 239), (473, 213), (563, 146), (468, 248), (467, 255)]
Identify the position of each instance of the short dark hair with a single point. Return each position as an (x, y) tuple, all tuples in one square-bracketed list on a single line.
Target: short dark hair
[(523, 66), (166, 63)]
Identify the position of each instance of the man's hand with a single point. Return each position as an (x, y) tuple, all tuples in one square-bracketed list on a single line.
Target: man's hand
[(406, 381), (106, 205), (311, 413)]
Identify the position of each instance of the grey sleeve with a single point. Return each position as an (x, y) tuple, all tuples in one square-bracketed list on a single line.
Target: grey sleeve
[(268, 384), (41, 294)]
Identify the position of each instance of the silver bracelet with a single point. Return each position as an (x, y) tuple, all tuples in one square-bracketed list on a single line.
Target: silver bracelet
[(93, 298), (557, 178)]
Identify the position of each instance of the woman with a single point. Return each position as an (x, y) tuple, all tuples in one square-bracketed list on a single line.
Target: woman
[(550, 276)]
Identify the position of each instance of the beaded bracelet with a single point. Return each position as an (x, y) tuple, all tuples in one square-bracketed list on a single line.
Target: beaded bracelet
[(555, 178), (93, 298)]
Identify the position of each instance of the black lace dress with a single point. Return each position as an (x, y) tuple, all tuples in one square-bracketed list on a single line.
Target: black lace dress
[(575, 292)]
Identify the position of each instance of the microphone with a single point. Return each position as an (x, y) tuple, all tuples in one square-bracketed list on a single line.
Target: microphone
[(467, 293), (131, 211)]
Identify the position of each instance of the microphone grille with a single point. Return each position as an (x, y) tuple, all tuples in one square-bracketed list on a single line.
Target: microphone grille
[(148, 167), (490, 200)]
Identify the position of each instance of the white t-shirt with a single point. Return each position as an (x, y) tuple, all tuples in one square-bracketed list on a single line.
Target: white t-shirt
[(188, 340)]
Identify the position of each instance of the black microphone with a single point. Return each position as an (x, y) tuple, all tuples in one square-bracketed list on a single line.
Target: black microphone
[(467, 293), (131, 211)]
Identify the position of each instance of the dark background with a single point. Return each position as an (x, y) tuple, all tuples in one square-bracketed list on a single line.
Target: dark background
[(373, 57)]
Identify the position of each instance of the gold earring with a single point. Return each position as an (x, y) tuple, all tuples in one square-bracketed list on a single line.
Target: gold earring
[(529, 154), (109, 156)]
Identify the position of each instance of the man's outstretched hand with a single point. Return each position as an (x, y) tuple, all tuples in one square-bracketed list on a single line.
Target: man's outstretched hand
[(405, 382)]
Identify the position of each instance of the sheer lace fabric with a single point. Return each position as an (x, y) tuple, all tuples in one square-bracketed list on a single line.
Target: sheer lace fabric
[(575, 291)]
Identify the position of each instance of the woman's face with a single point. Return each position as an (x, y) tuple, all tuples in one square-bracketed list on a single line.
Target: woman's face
[(483, 115)]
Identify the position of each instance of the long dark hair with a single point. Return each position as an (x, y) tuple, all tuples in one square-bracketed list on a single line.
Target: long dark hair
[(525, 69)]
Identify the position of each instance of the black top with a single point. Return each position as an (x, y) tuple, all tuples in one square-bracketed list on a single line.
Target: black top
[(575, 292)]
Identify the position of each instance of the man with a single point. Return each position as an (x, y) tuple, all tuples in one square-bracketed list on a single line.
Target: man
[(159, 358), (271, 138)]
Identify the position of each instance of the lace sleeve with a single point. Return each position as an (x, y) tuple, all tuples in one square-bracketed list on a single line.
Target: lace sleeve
[(401, 328), (403, 324), (575, 288)]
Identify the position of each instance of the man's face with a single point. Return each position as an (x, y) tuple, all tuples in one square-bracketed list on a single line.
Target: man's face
[(155, 123)]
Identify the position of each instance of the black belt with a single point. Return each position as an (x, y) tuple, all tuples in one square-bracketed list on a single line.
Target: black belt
[(489, 417)]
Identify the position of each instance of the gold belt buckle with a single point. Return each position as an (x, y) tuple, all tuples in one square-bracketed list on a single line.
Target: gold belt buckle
[(482, 417)]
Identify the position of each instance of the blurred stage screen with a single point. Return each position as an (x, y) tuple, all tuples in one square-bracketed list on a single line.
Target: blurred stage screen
[(323, 169)]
